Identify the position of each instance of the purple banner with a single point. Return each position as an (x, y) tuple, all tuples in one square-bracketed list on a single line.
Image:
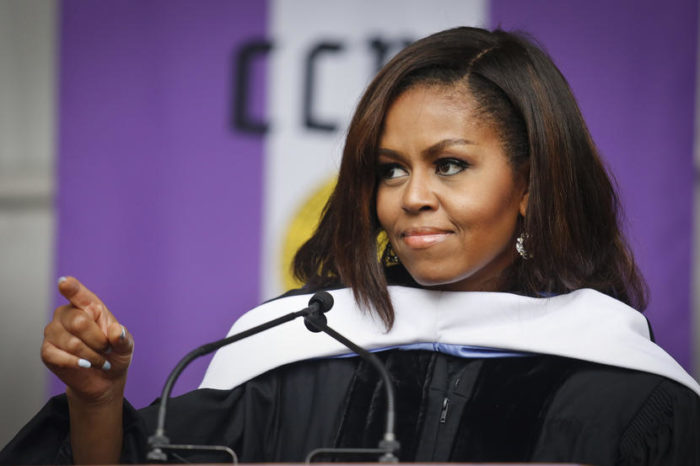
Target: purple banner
[(631, 65), (159, 198)]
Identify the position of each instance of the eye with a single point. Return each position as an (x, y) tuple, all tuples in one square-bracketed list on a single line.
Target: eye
[(390, 171), (449, 167)]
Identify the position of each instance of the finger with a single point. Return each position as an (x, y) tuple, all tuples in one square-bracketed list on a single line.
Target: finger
[(78, 323), (82, 297), (73, 345), (77, 293), (73, 321), (100, 315), (78, 356)]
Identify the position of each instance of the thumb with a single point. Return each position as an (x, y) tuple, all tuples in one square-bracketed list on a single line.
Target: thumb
[(121, 341)]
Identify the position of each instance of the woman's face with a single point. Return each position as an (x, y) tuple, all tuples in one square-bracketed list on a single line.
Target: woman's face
[(447, 196)]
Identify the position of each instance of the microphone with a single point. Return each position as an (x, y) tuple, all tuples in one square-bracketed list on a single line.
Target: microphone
[(319, 303), (317, 322)]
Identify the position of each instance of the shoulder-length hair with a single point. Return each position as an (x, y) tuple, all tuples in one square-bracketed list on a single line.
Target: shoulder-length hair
[(571, 226)]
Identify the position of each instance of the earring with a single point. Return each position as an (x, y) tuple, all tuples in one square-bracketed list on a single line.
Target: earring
[(390, 257), (520, 246)]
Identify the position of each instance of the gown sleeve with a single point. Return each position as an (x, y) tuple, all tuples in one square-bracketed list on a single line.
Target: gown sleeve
[(199, 417), (665, 430), (278, 416), (45, 439)]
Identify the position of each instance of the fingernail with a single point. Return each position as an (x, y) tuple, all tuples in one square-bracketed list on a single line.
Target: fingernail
[(123, 335), (106, 366), (61, 279), (84, 363)]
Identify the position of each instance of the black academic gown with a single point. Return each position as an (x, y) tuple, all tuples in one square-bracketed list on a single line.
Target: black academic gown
[(536, 407), (532, 408)]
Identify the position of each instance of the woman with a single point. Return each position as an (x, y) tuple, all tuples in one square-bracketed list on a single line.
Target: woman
[(469, 168)]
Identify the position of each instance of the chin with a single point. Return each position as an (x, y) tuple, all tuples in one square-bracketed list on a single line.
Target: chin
[(432, 276), (461, 283)]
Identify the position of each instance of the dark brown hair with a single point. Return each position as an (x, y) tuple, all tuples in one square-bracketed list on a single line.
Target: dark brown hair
[(571, 227)]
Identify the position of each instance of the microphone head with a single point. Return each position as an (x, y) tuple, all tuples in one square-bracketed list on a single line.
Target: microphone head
[(322, 300)]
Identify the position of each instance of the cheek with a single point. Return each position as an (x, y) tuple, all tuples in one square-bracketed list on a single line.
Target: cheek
[(502, 218), (494, 211)]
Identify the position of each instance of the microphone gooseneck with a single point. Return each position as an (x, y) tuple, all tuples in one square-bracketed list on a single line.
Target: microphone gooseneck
[(389, 445), (320, 302)]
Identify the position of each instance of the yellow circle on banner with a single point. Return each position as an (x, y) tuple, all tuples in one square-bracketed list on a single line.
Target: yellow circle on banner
[(302, 226)]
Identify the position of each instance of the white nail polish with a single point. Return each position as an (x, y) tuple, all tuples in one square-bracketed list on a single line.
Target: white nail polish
[(84, 363), (106, 366), (123, 335), (62, 279)]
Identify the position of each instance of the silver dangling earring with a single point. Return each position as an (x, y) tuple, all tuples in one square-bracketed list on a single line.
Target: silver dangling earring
[(390, 257), (520, 246)]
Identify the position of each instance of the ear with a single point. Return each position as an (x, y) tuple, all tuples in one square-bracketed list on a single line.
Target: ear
[(524, 179), (523, 203)]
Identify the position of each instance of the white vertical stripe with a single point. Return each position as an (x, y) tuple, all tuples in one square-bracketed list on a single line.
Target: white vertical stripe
[(27, 79), (299, 159)]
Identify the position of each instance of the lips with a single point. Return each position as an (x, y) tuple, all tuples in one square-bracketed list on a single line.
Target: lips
[(424, 237)]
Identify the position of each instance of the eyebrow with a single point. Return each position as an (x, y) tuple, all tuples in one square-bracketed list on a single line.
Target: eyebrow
[(431, 151)]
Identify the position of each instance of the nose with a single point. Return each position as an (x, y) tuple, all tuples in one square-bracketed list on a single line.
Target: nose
[(418, 194)]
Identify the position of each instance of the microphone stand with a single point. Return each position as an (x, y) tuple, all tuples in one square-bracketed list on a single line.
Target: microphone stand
[(319, 302), (388, 446)]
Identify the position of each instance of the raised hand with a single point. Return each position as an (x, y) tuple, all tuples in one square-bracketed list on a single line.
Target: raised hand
[(86, 347)]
